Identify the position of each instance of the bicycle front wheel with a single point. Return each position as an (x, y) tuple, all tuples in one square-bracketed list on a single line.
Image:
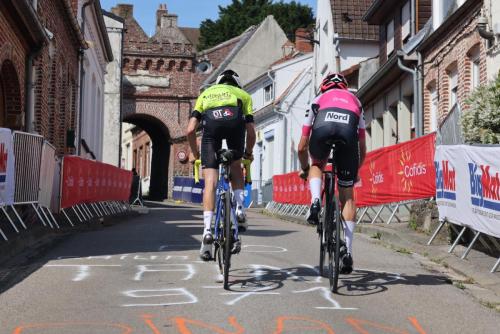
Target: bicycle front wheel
[(227, 240)]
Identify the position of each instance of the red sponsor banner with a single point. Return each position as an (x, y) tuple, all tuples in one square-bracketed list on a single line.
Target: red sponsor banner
[(87, 181), (391, 174), (398, 173)]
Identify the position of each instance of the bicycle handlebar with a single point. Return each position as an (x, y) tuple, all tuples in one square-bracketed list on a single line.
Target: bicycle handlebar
[(246, 163)]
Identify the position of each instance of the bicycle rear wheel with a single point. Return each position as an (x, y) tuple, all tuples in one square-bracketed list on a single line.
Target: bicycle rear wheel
[(227, 237), (335, 277), (328, 225)]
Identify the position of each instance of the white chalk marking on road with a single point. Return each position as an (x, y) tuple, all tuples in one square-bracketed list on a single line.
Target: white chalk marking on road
[(103, 257), (165, 268), (122, 257), (180, 257), (317, 279), (151, 257), (328, 296), (259, 272), (243, 295), (277, 249), (83, 269), (156, 293)]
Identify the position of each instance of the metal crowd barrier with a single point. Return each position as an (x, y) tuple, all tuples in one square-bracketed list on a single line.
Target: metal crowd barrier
[(393, 208), (478, 236), (37, 174)]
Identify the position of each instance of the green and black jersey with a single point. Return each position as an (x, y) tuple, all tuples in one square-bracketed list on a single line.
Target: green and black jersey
[(221, 96)]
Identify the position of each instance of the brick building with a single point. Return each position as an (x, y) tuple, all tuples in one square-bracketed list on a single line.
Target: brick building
[(18, 41), (39, 68), (56, 75), (386, 84), (454, 57)]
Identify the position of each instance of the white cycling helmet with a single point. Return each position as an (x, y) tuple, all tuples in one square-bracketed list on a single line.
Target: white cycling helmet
[(229, 77)]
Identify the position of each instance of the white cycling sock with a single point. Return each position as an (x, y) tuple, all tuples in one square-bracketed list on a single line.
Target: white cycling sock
[(207, 221), (349, 234), (315, 185), (239, 196)]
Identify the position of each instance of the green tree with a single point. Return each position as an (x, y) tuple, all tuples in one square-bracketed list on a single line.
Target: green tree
[(481, 121), (241, 14)]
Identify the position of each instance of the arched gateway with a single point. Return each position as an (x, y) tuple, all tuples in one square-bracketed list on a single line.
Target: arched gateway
[(160, 88)]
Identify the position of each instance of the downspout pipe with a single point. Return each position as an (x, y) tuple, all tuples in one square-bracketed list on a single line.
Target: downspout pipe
[(30, 87), (416, 91), (420, 86), (82, 81), (121, 101)]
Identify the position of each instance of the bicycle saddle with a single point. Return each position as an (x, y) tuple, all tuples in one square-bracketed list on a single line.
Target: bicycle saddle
[(225, 156)]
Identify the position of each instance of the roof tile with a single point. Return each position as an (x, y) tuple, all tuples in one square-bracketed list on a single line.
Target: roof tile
[(348, 19)]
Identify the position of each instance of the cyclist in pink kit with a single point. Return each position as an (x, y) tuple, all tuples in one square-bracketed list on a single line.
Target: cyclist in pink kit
[(336, 114)]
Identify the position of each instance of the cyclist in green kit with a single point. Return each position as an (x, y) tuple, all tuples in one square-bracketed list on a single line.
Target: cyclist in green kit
[(225, 112)]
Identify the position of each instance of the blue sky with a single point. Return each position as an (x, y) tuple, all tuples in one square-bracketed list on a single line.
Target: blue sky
[(190, 12)]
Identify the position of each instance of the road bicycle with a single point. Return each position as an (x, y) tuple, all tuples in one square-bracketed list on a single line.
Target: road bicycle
[(331, 226), (226, 239)]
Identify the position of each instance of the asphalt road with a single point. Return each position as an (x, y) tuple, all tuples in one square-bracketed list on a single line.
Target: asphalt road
[(143, 276)]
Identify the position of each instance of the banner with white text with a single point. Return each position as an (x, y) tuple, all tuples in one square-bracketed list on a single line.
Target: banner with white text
[(468, 186)]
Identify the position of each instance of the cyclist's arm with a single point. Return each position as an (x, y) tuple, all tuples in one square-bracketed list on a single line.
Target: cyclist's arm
[(303, 148), (362, 138), (191, 136), (249, 123), (251, 137), (194, 122)]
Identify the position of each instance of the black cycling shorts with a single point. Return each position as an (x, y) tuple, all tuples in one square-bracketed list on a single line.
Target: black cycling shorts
[(336, 124), (222, 123)]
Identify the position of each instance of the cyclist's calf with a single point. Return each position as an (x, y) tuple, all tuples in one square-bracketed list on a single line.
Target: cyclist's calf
[(211, 176)]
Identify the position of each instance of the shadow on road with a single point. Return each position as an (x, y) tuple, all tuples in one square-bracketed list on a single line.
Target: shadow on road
[(359, 283), (367, 282)]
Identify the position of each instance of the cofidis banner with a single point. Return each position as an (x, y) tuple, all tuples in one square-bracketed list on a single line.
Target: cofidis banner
[(468, 186), (398, 173), (6, 167)]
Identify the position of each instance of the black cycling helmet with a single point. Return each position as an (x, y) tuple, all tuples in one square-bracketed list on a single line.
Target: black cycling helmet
[(229, 77)]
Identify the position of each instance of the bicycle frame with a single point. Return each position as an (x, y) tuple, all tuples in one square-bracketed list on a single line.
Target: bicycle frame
[(224, 189)]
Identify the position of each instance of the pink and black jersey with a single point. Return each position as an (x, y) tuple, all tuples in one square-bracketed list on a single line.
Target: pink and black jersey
[(338, 103)]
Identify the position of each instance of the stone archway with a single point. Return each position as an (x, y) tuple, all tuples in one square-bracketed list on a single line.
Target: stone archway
[(10, 97), (160, 138)]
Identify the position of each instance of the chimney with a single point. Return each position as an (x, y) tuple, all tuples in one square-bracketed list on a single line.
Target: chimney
[(288, 49), (164, 19), (301, 44), (123, 10)]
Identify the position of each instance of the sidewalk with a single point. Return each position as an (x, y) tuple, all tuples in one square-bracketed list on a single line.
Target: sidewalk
[(472, 275)]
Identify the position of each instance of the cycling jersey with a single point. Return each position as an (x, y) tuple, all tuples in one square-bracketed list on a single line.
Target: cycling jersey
[(223, 111), (222, 95), (335, 99)]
